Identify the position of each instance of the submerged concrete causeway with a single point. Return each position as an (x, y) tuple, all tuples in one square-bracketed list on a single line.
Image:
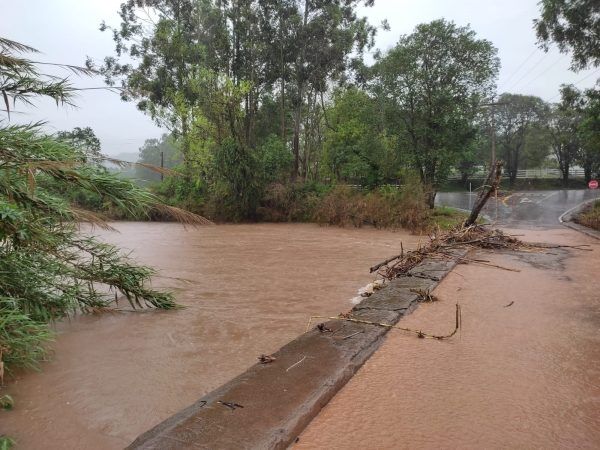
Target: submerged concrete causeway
[(268, 405)]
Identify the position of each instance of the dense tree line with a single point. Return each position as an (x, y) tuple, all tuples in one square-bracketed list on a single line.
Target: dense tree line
[(256, 92)]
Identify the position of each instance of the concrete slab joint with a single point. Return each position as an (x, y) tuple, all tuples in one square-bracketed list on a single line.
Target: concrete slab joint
[(269, 405)]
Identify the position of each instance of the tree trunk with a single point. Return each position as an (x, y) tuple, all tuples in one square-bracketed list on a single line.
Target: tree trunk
[(490, 187), (565, 175), (282, 68), (431, 198), (587, 173), (464, 178), (512, 176), (296, 142), (185, 146)]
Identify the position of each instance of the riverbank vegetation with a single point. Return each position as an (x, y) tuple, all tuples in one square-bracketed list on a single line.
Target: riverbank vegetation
[(49, 269), (273, 107)]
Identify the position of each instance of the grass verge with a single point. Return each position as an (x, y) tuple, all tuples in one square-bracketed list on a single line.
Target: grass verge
[(590, 217), (446, 218)]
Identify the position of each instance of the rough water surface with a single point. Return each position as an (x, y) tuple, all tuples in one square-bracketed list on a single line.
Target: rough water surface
[(251, 289), (520, 376)]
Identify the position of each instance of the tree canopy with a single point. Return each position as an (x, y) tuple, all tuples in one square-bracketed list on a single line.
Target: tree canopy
[(574, 25), (432, 84)]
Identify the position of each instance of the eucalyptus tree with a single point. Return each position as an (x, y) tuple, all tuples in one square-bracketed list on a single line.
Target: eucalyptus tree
[(517, 116), (158, 55), (330, 39), (432, 84)]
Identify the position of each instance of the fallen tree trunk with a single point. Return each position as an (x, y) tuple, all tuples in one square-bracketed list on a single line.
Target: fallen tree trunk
[(490, 187)]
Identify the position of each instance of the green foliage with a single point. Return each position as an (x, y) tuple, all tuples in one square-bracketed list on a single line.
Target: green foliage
[(6, 402), (235, 189), (178, 66), (85, 140), (446, 218), (274, 160), (6, 443), (49, 268), (516, 117), (589, 134), (150, 153), (356, 147), (21, 80), (431, 85), (575, 26), (563, 125)]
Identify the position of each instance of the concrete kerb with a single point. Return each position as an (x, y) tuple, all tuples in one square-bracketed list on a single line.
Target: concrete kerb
[(269, 405), (567, 217)]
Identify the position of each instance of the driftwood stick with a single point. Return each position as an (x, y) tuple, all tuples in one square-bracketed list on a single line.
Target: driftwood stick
[(387, 261)]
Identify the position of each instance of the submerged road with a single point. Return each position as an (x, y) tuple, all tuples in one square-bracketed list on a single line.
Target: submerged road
[(531, 209), (524, 371)]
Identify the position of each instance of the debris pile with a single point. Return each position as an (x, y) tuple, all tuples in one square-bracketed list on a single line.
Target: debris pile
[(441, 244)]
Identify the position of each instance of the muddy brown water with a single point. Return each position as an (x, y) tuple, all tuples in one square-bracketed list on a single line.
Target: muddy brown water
[(520, 376), (251, 289)]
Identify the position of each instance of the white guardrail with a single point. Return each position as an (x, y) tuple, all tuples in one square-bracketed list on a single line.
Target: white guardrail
[(528, 173)]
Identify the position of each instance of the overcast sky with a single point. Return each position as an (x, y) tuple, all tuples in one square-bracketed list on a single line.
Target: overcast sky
[(66, 31)]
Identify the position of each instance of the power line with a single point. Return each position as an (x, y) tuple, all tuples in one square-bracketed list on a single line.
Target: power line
[(581, 80), (563, 56), (528, 72), (519, 68)]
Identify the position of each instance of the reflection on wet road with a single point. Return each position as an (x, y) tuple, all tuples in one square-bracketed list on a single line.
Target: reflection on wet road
[(531, 209)]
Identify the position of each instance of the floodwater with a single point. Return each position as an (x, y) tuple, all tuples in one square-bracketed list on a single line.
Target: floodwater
[(251, 289), (523, 373), (528, 209)]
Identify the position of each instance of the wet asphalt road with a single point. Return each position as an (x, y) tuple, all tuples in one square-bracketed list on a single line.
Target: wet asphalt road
[(531, 209)]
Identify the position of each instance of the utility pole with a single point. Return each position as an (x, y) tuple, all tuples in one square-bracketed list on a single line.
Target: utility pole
[(492, 106), (490, 185)]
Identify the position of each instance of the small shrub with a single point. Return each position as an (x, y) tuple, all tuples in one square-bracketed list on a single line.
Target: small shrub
[(293, 202), (342, 206)]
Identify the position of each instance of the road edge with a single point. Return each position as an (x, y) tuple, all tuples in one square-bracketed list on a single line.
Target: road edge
[(566, 219)]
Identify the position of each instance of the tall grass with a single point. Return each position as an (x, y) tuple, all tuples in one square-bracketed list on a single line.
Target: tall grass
[(386, 207)]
